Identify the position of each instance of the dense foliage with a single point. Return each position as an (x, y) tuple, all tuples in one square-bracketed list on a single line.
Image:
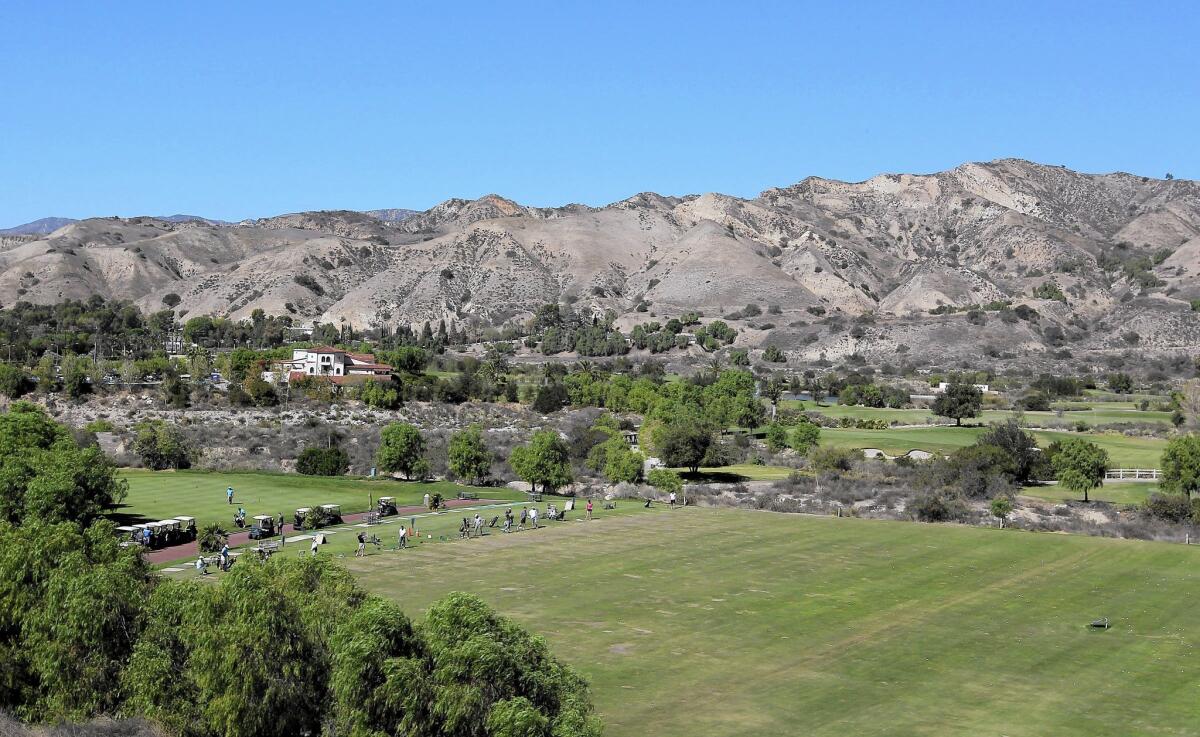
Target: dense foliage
[(323, 462), (286, 647)]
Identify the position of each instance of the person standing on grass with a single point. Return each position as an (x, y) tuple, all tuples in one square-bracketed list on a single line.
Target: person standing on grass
[(478, 525), (362, 546), (524, 518), (315, 543), (672, 498), (402, 543), (282, 537), (426, 497), (229, 495), (225, 557), (533, 515), (508, 519), (589, 508)]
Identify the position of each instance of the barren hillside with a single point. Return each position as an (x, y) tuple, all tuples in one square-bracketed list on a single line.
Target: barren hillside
[(1122, 250)]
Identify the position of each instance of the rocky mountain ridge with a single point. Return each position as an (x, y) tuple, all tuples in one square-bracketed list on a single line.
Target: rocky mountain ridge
[(1096, 256)]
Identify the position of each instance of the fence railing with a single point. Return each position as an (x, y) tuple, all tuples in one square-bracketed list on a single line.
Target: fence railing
[(1144, 474)]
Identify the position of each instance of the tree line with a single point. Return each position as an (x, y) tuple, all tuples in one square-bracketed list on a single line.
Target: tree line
[(283, 647)]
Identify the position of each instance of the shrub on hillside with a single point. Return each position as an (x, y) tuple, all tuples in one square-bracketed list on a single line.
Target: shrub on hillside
[(323, 462)]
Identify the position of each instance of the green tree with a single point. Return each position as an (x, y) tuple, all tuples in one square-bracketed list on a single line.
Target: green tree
[(959, 400), (75, 379), (13, 381), (545, 460), (683, 443), (1120, 383), (1000, 508), (805, 436), (260, 392), (665, 480), (469, 458), (161, 445), (46, 374), (401, 447), (70, 610), (1020, 447), (777, 437), (45, 475), (317, 461), (622, 464), (772, 389), (1080, 465), (379, 395), (773, 354), (247, 657), (1181, 464)]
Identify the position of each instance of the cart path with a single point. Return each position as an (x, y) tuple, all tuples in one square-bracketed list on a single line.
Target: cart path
[(192, 549)]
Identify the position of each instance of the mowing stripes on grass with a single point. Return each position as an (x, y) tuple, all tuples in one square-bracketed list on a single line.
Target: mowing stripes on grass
[(730, 622)]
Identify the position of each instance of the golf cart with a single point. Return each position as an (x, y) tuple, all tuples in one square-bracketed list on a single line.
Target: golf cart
[(264, 526), (126, 536), (387, 506), (333, 512), (298, 518), (187, 528), (139, 533), (168, 533)]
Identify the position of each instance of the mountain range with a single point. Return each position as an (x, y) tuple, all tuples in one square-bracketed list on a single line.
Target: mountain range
[(1102, 262)]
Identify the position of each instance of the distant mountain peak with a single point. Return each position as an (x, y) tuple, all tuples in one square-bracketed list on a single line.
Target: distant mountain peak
[(42, 226)]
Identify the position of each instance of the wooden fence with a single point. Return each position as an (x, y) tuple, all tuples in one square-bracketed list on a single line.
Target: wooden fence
[(1133, 474)]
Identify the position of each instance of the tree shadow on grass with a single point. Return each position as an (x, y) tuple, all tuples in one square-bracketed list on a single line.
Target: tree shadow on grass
[(713, 477)]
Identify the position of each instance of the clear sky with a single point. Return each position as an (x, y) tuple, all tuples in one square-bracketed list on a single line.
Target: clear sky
[(246, 109)]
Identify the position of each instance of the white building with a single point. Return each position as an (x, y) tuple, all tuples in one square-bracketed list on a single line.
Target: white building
[(983, 388), (340, 367)]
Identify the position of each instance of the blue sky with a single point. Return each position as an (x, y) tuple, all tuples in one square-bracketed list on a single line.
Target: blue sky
[(237, 109)]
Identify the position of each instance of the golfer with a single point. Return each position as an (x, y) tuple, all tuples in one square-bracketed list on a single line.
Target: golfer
[(533, 515), (229, 495), (672, 498), (478, 525), (315, 543), (426, 500), (403, 541), (589, 509), (508, 519), (362, 546)]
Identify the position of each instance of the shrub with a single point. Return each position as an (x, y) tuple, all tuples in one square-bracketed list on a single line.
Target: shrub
[(1172, 507), (665, 480), (161, 446), (834, 459), (309, 283), (940, 505), (323, 462), (211, 537), (100, 426)]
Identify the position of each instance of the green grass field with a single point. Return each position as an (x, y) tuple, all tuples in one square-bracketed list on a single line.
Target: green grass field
[(155, 495), (1115, 492), (735, 473), (729, 622), (1099, 414), (1123, 451)]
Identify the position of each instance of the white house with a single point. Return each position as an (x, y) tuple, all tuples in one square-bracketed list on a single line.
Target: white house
[(983, 388), (340, 367)]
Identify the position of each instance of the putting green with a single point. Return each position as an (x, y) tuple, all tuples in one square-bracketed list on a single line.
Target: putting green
[(728, 622)]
